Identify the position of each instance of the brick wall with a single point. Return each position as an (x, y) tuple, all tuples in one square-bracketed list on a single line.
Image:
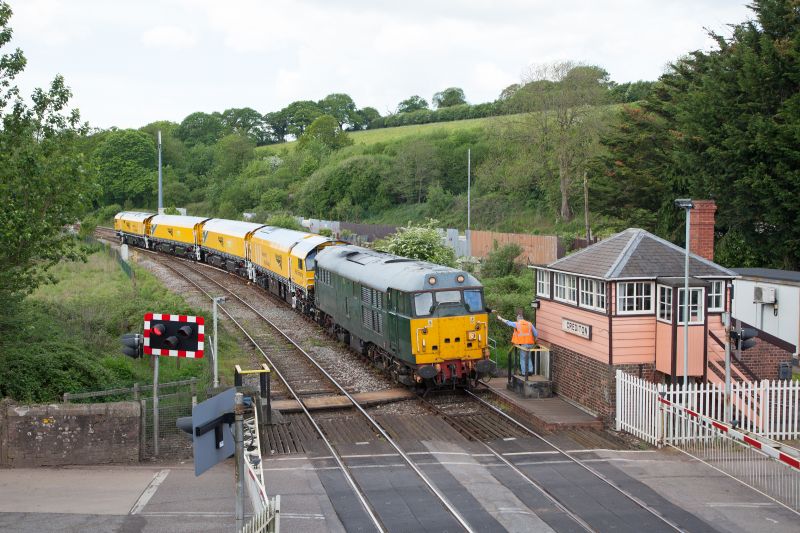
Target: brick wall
[(764, 359), (701, 231), (590, 382), (69, 434)]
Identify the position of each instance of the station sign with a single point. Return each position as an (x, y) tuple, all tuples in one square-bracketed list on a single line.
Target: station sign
[(576, 328)]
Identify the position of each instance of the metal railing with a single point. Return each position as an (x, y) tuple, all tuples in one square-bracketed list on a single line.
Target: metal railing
[(266, 521)]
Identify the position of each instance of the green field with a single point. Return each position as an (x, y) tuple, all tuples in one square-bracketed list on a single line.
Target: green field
[(382, 135)]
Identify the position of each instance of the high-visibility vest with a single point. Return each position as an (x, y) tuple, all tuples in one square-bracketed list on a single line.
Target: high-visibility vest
[(523, 333)]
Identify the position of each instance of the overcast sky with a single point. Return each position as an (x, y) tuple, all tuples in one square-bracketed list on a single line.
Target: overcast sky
[(130, 62)]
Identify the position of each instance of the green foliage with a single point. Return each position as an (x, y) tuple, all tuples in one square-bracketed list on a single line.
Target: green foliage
[(200, 128), (412, 103), (284, 221), (326, 232), (449, 97), (422, 242), (171, 210), (65, 337), (126, 167), (500, 261), (505, 295), (724, 125), (343, 109), (327, 131), (45, 183)]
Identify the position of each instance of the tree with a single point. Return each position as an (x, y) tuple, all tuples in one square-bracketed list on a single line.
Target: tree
[(733, 114), (369, 115), (231, 154), (565, 96), (299, 115), (509, 92), (342, 108), (278, 123), (412, 103), (423, 242), (247, 122), (126, 166), (449, 97), (200, 128), (44, 182), (326, 131)]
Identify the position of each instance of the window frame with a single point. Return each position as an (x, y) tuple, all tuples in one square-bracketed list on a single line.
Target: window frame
[(701, 303), (597, 292), (661, 304), (543, 281), (567, 288), (712, 294), (621, 296)]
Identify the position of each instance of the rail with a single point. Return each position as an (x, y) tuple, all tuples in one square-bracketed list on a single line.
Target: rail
[(361, 496)]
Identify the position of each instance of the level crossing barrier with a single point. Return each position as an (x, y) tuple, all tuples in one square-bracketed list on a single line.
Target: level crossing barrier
[(760, 463)]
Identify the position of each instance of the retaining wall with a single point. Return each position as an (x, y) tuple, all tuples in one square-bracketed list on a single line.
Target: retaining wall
[(69, 434)]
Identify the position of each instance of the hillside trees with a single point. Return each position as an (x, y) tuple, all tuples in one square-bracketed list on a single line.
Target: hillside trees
[(412, 103), (727, 123), (44, 182), (325, 130), (342, 108), (126, 165), (200, 128), (449, 97), (564, 99)]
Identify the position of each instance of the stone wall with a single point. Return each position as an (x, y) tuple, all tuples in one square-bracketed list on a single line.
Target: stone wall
[(764, 358), (590, 382), (69, 434)]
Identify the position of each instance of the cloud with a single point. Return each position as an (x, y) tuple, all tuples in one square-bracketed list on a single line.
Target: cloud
[(168, 36)]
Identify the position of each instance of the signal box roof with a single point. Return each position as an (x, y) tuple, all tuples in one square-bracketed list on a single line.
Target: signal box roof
[(234, 228), (637, 254), (178, 221), (382, 271)]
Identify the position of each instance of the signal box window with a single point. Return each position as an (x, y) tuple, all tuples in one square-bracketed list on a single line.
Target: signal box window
[(695, 306), (423, 302), (634, 297), (715, 294)]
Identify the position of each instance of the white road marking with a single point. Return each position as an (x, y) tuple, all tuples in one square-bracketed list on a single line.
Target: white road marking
[(740, 504), (149, 491)]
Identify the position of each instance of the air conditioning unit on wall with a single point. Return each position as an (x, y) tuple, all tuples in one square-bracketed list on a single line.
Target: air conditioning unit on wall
[(763, 295)]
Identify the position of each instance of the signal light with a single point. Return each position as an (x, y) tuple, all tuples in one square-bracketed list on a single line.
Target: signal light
[(744, 338), (174, 335), (132, 344)]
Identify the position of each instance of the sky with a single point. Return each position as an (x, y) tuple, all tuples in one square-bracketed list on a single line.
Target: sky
[(132, 62)]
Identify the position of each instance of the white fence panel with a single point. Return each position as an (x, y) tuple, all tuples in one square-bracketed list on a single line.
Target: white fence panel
[(767, 408)]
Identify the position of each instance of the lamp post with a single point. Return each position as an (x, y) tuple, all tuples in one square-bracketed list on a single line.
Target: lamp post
[(687, 205)]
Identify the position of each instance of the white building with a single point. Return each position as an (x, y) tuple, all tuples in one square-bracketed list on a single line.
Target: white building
[(769, 300)]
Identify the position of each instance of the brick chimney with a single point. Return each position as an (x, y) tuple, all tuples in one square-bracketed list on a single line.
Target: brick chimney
[(701, 233)]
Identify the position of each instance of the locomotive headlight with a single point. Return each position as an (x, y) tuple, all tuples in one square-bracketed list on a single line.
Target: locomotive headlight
[(471, 335), (460, 278), (432, 280)]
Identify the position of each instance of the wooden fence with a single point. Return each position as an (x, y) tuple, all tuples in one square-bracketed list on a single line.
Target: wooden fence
[(536, 249)]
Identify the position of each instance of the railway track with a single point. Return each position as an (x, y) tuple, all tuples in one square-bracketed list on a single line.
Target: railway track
[(474, 418)]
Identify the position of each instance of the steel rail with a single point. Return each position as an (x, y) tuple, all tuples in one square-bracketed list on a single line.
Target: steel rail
[(442, 498), (470, 434), (337, 458), (435, 490), (636, 500)]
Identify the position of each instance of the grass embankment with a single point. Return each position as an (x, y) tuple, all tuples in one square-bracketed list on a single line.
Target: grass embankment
[(387, 135), (65, 337)]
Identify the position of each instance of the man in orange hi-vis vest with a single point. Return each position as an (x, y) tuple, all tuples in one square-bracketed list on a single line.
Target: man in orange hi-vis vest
[(524, 338)]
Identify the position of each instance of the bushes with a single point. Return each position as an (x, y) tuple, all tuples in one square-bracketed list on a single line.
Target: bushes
[(500, 261)]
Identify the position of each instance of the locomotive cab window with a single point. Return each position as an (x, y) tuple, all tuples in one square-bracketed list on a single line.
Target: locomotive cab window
[(448, 297), (300, 264), (311, 262), (423, 303), (474, 301)]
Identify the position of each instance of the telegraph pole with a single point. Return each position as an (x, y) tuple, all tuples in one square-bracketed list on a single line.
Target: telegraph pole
[(469, 187), (160, 190)]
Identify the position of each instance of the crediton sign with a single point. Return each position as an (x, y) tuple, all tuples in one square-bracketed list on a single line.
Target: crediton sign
[(576, 328)]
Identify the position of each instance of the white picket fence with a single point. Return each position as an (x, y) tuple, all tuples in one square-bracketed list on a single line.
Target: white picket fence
[(767, 408)]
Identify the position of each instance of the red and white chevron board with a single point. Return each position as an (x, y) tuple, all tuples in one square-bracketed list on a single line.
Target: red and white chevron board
[(753, 441), (200, 321)]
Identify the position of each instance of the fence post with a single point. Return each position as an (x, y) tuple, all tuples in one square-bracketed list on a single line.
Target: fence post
[(135, 391), (143, 429), (620, 400), (193, 386), (66, 397), (661, 420)]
